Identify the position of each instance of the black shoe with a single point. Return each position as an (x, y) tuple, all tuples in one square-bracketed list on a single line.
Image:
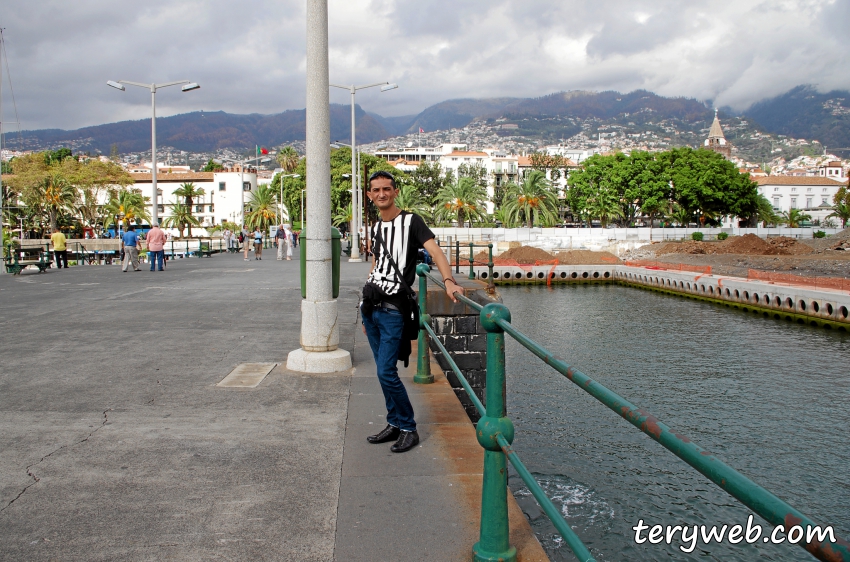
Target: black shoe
[(406, 441), (389, 433)]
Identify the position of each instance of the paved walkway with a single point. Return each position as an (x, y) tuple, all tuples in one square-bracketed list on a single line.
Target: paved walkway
[(116, 443)]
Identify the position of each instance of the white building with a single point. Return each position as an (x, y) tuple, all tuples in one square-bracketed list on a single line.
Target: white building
[(813, 195), (416, 154), (222, 198)]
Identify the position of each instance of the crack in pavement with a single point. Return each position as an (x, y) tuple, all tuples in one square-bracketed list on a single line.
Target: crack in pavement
[(35, 478)]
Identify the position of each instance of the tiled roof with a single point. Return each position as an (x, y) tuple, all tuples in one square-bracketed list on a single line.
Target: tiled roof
[(792, 180), (164, 177)]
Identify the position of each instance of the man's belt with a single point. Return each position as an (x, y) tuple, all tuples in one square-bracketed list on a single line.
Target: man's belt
[(389, 306)]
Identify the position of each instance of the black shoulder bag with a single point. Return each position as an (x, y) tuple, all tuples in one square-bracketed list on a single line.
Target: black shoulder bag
[(411, 315)]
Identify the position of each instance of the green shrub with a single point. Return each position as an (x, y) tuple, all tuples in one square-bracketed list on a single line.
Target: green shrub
[(722, 235), (696, 236), (819, 234)]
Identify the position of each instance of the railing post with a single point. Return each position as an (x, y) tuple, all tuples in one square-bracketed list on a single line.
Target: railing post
[(494, 536), (423, 365), (457, 256), (471, 260), (491, 285)]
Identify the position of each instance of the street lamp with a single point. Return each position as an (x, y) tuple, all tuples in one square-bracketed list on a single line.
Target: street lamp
[(281, 190), (187, 87), (355, 191)]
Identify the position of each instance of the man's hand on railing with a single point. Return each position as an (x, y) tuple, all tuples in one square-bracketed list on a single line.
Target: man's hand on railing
[(452, 287)]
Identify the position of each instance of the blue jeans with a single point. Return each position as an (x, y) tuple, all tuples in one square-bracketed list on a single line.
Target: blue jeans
[(384, 328), (156, 256)]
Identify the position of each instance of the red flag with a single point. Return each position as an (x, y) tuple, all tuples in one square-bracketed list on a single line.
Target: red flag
[(264, 151), (421, 130)]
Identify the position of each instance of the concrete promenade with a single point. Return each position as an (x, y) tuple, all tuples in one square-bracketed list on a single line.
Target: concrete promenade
[(118, 445)]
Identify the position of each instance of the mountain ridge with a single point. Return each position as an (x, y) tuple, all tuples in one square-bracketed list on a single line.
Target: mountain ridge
[(801, 112)]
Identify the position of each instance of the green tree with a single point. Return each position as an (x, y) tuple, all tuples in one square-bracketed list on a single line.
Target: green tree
[(181, 216), (794, 217), (288, 158), (463, 201), (710, 186), (127, 202), (605, 206), (342, 217), (534, 200), (410, 199), (261, 208), (841, 211), (598, 182), (681, 216), (765, 213), (212, 166), (189, 192), (429, 178)]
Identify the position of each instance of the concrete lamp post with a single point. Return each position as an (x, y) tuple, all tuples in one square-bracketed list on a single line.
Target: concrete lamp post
[(355, 191), (319, 351), (187, 87)]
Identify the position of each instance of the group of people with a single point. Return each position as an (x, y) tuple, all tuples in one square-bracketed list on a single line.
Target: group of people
[(285, 239)]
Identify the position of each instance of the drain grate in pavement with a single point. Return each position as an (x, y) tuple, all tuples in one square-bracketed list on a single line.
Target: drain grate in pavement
[(247, 375)]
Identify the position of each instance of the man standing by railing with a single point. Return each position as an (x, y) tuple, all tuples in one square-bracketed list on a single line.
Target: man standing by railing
[(395, 240), (156, 246), (60, 250)]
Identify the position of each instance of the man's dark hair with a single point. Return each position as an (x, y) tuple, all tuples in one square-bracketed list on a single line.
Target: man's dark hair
[(382, 174), (131, 227)]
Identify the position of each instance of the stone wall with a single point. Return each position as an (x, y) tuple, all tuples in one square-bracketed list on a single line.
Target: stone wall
[(459, 329)]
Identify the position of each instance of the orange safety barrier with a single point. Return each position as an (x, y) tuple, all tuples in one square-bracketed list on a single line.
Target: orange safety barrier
[(703, 269), (788, 279)]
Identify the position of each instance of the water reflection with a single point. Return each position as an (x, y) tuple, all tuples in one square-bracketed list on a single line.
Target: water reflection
[(768, 397)]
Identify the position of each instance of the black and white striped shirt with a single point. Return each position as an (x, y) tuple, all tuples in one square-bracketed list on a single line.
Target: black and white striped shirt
[(403, 236)]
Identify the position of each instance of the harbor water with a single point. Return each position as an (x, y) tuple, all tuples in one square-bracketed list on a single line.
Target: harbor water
[(766, 396)]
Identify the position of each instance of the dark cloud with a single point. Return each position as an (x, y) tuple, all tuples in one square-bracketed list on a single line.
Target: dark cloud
[(249, 56)]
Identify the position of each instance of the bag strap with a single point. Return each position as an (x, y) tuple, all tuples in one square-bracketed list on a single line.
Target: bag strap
[(392, 261)]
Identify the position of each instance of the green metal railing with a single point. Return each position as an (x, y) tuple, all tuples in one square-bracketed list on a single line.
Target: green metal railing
[(495, 433)]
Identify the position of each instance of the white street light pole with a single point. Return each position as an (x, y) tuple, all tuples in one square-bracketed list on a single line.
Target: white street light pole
[(281, 190), (355, 191), (189, 86), (319, 351)]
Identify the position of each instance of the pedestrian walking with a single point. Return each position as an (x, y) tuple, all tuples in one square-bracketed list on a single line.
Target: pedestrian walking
[(226, 237), (395, 239), (258, 244), (156, 247), (60, 249), (284, 241), (244, 237), (130, 245)]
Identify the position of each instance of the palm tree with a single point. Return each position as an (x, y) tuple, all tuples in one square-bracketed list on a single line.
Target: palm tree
[(793, 217), (462, 200), (263, 208), (532, 200), (841, 211), (410, 199), (605, 205), (343, 216), (681, 216), (129, 203), (189, 192), (53, 194), (288, 159), (181, 216), (765, 213)]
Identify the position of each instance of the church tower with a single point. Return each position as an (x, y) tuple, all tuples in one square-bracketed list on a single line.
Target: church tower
[(716, 141)]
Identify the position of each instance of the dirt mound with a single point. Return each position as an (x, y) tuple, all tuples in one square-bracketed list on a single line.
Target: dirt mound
[(686, 247), (748, 244), (789, 246), (586, 257), (525, 255)]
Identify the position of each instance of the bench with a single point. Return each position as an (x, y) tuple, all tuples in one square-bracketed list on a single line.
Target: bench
[(18, 260), (204, 250)]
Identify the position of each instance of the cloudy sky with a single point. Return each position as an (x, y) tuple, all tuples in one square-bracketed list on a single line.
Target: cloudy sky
[(249, 57)]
